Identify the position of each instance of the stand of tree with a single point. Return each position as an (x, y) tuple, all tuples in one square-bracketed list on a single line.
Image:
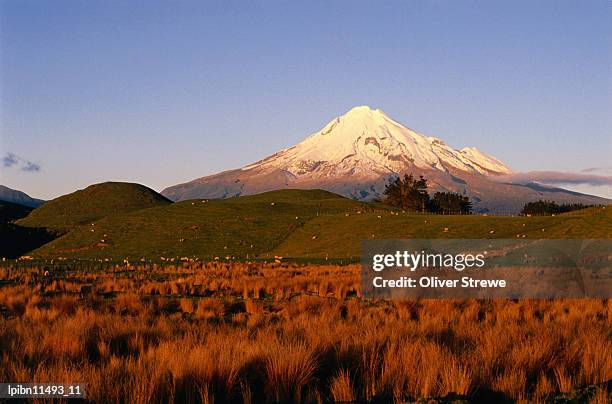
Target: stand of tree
[(410, 193), (544, 208)]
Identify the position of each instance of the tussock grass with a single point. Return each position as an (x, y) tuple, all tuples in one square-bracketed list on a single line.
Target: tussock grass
[(288, 333)]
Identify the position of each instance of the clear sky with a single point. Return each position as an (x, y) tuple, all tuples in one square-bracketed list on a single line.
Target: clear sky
[(163, 92)]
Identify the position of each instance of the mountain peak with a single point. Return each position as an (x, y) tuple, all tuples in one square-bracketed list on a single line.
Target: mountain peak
[(360, 108), (365, 142), (364, 112)]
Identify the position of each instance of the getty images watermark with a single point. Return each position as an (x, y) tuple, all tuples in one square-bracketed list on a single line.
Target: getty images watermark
[(42, 390), (487, 268)]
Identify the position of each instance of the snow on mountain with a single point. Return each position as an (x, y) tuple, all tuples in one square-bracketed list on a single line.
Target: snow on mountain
[(355, 155), (367, 143)]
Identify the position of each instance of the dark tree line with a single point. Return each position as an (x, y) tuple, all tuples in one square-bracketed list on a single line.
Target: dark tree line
[(410, 193), (450, 203), (551, 208)]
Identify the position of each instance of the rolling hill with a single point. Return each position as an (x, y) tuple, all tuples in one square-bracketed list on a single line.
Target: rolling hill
[(320, 236), (246, 226), (301, 224), (91, 204)]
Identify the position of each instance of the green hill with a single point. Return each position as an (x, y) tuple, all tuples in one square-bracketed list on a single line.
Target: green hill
[(303, 224), (91, 204), (247, 226), (339, 236)]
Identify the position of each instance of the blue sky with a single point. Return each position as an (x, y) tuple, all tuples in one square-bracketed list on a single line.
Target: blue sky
[(164, 92)]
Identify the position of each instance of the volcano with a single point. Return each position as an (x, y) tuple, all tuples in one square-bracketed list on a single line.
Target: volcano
[(357, 153)]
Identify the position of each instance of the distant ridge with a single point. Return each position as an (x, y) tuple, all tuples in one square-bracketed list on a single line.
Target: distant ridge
[(93, 203), (21, 198), (355, 154)]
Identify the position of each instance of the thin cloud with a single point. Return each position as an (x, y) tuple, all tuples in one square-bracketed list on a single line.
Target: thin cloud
[(597, 169), (558, 178), (31, 167), (12, 160)]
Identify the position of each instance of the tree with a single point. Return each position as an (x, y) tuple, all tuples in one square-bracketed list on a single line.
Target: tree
[(408, 193), (550, 208), (450, 203)]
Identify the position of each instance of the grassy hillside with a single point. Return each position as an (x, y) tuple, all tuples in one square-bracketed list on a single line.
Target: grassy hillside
[(92, 203), (246, 227), (340, 236), (293, 223)]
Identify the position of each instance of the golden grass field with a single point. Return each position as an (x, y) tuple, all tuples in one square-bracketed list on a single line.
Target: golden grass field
[(288, 333)]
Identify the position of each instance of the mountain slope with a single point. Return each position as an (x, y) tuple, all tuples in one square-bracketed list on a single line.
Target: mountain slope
[(367, 143), (355, 155), (91, 204), (21, 198)]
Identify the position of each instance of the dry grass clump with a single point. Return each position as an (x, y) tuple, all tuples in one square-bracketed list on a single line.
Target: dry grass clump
[(274, 333)]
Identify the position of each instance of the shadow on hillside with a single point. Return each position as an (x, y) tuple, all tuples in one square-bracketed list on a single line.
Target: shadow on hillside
[(16, 241)]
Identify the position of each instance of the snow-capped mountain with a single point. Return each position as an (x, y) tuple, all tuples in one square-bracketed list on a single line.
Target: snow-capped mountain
[(367, 143), (355, 154)]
